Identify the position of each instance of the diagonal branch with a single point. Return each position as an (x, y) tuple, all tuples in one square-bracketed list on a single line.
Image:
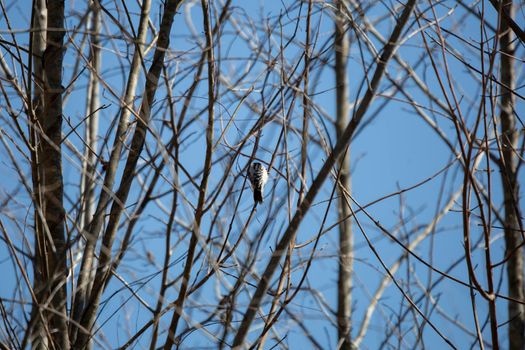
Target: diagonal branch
[(507, 17), (341, 145), (137, 144)]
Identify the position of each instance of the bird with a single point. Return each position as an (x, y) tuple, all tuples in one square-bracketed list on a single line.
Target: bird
[(258, 175)]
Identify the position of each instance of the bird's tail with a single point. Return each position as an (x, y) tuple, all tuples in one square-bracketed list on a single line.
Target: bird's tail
[(257, 196)]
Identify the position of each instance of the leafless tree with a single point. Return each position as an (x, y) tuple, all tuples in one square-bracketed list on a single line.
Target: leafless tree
[(126, 218)]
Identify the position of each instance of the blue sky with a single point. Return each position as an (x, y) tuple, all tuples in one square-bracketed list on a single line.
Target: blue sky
[(395, 150)]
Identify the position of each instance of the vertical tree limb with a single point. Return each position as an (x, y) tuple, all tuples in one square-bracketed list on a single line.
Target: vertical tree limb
[(51, 263), (87, 184), (344, 283), (90, 156), (36, 108), (509, 176)]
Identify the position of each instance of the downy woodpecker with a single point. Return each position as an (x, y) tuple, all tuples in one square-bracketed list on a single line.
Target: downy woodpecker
[(258, 176)]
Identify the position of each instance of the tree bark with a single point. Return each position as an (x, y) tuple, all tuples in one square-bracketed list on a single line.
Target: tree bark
[(87, 183), (50, 253), (38, 45), (90, 153), (509, 176), (344, 283)]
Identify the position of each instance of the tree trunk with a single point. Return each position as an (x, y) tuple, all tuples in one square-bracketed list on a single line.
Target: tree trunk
[(38, 46), (344, 284), (90, 153), (509, 176), (50, 251)]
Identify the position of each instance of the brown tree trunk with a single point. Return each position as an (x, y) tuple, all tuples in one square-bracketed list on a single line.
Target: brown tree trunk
[(509, 176), (38, 46), (344, 284), (50, 252)]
